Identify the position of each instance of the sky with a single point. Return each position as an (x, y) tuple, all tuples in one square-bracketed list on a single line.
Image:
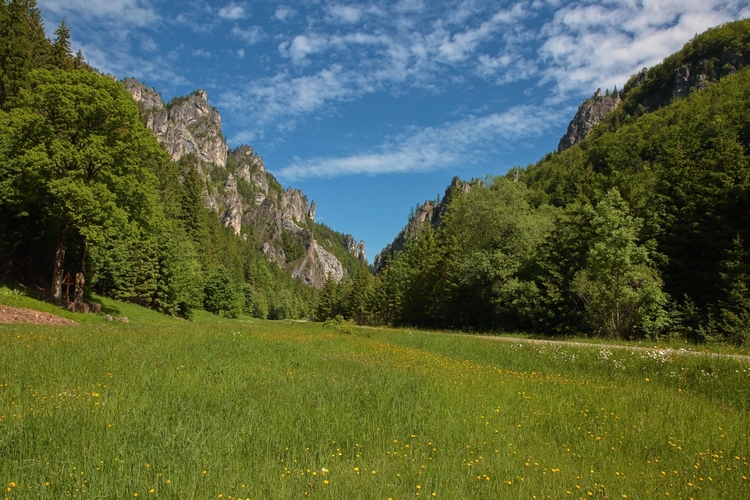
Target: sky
[(371, 107)]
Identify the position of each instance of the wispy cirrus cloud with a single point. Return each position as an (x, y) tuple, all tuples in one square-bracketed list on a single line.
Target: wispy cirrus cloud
[(250, 36), (448, 146), (566, 48), (591, 44), (127, 13)]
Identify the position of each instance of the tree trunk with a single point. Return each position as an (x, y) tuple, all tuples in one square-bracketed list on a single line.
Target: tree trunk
[(57, 273), (80, 279)]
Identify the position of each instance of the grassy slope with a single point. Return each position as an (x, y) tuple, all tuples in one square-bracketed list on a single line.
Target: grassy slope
[(252, 409)]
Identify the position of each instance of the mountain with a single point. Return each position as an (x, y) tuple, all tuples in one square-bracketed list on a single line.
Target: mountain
[(430, 212), (243, 194), (590, 114), (706, 59)]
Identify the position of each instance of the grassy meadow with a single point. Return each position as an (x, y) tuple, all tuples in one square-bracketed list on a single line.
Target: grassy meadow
[(259, 409)]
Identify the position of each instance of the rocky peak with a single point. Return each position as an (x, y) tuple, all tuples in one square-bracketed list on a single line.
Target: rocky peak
[(250, 168), (147, 98), (361, 254), (317, 265), (356, 249), (191, 125), (184, 125), (313, 209), (589, 115), (293, 204)]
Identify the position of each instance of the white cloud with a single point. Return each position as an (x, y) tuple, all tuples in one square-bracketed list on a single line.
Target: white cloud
[(283, 13), (345, 13), (202, 53), (149, 45), (250, 36), (562, 50), (461, 46), (404, 6), (281, 100), (585, 46), (135, 13), (232, 12), (448, 146), (302, 46), (241, 53)]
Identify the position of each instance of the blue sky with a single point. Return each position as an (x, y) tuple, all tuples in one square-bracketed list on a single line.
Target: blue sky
[(370, 107)]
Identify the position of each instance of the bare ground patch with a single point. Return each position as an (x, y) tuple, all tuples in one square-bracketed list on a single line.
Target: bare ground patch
[(9, 315)]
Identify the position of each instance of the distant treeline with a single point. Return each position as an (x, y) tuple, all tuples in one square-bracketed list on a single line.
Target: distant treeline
[(640, 230), (86, 189)]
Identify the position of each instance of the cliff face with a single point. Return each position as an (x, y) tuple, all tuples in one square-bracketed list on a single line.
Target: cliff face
[(185, 125), (356, 249), (427, 213), (704, 60), (590, 114), (239, 188)]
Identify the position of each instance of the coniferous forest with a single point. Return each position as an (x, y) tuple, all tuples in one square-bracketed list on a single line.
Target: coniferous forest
[(640, 230)]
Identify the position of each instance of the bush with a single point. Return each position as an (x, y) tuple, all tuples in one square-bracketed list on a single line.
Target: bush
[(221, 297)]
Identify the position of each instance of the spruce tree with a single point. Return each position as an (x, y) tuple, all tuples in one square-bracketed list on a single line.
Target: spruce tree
[(61, 50)]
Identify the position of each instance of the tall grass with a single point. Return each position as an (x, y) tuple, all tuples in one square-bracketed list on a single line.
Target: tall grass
[(255, 409)]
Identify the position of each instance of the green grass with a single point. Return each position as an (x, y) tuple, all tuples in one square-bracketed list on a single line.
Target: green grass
[(255, 409)]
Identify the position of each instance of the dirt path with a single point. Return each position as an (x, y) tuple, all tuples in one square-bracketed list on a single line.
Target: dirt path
[(12, 315), (669, 351)]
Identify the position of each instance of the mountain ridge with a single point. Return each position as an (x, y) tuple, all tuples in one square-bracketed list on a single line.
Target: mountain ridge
[(244, 195), (706, 59)]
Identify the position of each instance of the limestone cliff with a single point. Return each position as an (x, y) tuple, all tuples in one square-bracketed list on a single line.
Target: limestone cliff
[(243, 194), (184, 125), (356, 249), (317, 265), (590, 114)]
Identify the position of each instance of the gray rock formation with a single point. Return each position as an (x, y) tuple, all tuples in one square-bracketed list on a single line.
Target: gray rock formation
[(147, 98), (249, 196), (361, 254), (356, 249), (427, 213), (317, 265), (293, 205), (351, 244), (232, 216), (313, 209), (589, 115), (185, 125), (250, 168), (681, 82), (273, 254)]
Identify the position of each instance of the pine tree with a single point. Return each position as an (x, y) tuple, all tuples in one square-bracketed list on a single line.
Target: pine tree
[(61, 50)]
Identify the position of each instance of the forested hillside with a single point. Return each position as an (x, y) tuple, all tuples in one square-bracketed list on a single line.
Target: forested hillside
[(87, 194), (638, 230)]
